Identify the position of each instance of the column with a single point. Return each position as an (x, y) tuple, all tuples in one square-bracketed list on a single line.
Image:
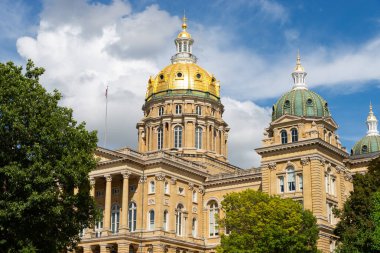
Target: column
[(107, 208), (123, 247), (87, 249), (124, 203)]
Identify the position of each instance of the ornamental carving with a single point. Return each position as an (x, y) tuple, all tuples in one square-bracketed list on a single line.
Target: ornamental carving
[(201, 190), (339, 169), (348, 177), (160, 176), (194, 209), (142, 179), (272, 166), (191, 186), (166, 202), (151, 202), (126, 174), (108, 178), (173, 180), (92, 181), (305, 161)]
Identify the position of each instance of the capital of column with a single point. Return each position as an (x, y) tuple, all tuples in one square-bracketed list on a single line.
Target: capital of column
[(108, 178), (173, 180), (126, 174), (142, 179), (160, 176), (92, 181)]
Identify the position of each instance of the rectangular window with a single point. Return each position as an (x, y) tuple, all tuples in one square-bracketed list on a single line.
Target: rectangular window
[(194, 196), (332, 186), (300, 182), (281, 184), (115, 191), (166, 188), (330, 215), (181, 191), (132, 188), (291, 182), (327, 184)]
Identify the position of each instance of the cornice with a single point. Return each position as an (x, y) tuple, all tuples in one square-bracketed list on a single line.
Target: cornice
[(303, 143), (241, 176)]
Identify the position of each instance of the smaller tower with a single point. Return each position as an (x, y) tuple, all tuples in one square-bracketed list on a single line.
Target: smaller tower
[(184, 44), (371, 123), (299, 75)]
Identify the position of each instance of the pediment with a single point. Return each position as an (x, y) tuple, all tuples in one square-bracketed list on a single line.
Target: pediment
[(103, 155), (286, 118)]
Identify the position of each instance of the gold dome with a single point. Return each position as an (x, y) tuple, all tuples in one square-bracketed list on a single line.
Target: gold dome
[(183, 78)]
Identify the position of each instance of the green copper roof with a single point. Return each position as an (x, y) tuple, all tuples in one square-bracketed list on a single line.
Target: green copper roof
[(367, 144), (302, 103)]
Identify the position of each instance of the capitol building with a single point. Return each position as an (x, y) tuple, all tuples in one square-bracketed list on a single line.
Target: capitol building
[(163, 198)]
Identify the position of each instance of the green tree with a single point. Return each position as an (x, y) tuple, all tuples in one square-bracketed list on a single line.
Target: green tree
[(357, 227), (261, 223), (44, 156)]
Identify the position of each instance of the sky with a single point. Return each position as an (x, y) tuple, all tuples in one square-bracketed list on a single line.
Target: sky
[(249, 45)]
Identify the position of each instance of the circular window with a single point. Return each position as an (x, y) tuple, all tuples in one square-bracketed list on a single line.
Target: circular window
[(199, 76), (287, 103), (179, 74), (364, 149), (213, 79), (309, 101), (162, 77)]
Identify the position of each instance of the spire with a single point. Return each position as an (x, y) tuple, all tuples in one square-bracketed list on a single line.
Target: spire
[(299, 74), (371, 122), (184, 44)]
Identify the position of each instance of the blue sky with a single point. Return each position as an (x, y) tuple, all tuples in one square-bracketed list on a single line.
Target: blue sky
[(249, 45)]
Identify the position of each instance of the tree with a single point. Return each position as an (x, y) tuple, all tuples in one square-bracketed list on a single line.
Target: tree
[(261, 223), (358, 225), (44, 156)]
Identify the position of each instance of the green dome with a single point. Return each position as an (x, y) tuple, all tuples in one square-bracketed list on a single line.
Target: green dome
[(302, 103), (368, 144)]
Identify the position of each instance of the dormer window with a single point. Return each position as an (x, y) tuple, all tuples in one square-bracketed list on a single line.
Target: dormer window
[(364, 149), (178, 109), (309, 102), (161, 111), (179, 75), (284, 137)]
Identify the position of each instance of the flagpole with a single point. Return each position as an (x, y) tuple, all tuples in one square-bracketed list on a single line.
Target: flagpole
[(105, 130)]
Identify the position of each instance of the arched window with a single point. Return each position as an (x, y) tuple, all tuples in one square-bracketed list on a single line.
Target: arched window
[(166, 220), (364, 149), (198, 110), (178, 137), (284, 137), (291, 177), (294, 135), (178, 220), (160, 138), (115, 218), (178, 109), (152, 187), (198, 138), (132, 214), (213, 224), (161, 111), (330, 138), (151, 220), (194, 227), (99, 224)]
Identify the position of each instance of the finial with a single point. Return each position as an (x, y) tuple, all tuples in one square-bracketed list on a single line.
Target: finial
[(298, 62), (370, 107), (184, 19)]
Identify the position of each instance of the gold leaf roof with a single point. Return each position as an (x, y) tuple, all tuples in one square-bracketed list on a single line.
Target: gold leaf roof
[(182, 78)]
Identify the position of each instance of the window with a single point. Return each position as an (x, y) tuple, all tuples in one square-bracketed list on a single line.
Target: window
[(151, 220), (166, 219), (294, 135), (329, 183), (132, 188), (194, 227), (284, 137), (332, 246), (281, 184), (178, 109), (99, 224), (166, 187), (132, 213), (309, 102), (198, 110), (115, 218), (161, 111), (194, 196), (364, 149), (300, 182), (115, 191), (213, 225), (198, 138), (178, 220), (152, 187), (160, 138), (291, 179), (330, 138), (181, 191), (330, 214), (99, 194), (178, 137)]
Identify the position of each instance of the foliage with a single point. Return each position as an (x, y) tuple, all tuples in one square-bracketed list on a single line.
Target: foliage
[(261, 223), (44, 156), (358, 227)]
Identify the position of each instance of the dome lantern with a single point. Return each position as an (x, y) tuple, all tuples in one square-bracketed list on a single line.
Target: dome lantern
[(184, 44), (299, 75), (372, 123)]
